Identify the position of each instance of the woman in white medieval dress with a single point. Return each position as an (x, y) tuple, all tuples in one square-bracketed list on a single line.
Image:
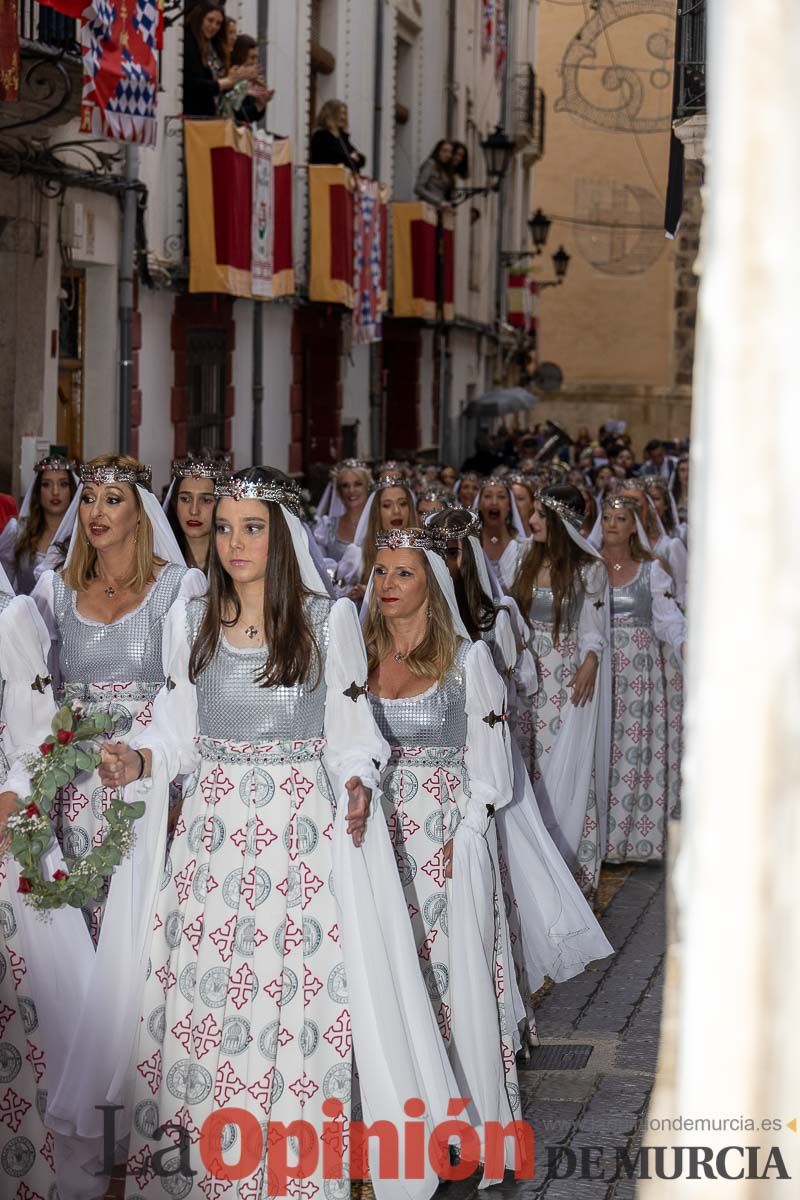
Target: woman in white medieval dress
[(646, 731), (246, 1003), (663, 531), (562, 585), (556, 933), (504, 537), (26, 1146), (105, 612), (466, 487), (25, 541), (391, 505), (441, 706), (189, 503), (341, 506)]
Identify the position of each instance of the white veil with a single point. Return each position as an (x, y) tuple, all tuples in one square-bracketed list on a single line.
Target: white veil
[(445, 583), (349, 569), (519, 525)]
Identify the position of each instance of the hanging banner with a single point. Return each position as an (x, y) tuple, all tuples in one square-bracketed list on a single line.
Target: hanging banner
[(332, 248), (501, 39), (282, 254), (263, 218), (9, 51), (119, 40), (423, 261), (369, 266), (521, 294), (487, 26), (239, 228)]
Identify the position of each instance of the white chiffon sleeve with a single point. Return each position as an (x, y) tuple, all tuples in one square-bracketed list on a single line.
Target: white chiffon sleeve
[(669, 623), (355, 746), (172, 731), (488, 751), (349, 568), (526, 675), (28, 704), (678, 561), (7, 539), (593, 633)]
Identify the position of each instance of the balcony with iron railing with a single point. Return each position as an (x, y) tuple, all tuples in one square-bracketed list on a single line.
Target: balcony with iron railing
[(49, 87), (691, 59)]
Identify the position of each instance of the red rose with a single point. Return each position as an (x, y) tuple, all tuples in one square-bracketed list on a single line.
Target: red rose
[(46, 747), (60, 875), (65, 736), (31, 810), (24, 885)]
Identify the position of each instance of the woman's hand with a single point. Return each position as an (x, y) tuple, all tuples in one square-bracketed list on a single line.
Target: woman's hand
[(8, 806), (120, 765), (583, 683), (358, 802), (448, 859)]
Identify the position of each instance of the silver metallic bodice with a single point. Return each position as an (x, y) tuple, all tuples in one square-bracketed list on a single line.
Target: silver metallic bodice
[(633, 603), (435, 718), (232, 707), (332, 544), (126, 651)]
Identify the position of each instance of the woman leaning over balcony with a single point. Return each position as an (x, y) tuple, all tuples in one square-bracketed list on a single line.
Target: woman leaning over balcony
[(330, 141), (204, 76)]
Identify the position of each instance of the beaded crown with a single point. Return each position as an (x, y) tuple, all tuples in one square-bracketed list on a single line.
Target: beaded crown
[(622, 502), (453, 524), (54, 462), (110, 474), (566, 511), (389, 481), (278, 491), (406, 539), (201, 466), (350, 464)]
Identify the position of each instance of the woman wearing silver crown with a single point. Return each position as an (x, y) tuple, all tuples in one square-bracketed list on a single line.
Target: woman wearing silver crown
[(441, 706), (25, 541), (189, 504), (341, 506), (105, 612), (260, 981), (662, 529), (26, 1153), (563, 586), (556, 932), (646, 730), (504, 536), (391, 505)]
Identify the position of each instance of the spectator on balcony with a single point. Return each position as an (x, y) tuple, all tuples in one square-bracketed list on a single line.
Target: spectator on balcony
[(204, 77), (460, 160), (224, 42), (435, 176), (247, 99), (330, 141)]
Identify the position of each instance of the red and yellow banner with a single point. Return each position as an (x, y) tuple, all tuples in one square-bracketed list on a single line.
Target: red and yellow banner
[(330, 192), (424, 261), (9, 51), (219, 171)]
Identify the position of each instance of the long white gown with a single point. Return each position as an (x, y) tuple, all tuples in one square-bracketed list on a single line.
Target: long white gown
[(26, 1146), (246, 1002), (647, 632)]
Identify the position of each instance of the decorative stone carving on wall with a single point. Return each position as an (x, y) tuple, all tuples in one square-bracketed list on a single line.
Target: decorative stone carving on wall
[(638, 87), (623, 234)]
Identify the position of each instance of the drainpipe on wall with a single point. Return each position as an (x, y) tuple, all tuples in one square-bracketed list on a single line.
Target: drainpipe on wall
[(257, 432), (503, 194), (127, 261), (375, 373), (442, 335)]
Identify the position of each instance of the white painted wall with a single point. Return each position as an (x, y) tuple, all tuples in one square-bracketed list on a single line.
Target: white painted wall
[(156, 373), (100, 363)]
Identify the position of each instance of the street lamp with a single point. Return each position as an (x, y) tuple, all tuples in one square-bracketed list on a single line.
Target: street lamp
[(561, 261), (539, 225), (498, 150)]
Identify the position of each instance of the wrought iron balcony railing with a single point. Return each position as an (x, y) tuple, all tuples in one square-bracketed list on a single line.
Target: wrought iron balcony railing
[(46, 27), (691, 58)]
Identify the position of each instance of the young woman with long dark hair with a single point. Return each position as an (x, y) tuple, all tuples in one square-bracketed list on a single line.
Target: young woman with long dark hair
[(25, 540), (190, 504), (563, 587)]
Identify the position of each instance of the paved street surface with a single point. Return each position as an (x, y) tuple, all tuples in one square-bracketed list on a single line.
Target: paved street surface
[(589, 1082)]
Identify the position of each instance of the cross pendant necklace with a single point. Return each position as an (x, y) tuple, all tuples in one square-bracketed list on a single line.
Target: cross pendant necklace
[(251, 632)]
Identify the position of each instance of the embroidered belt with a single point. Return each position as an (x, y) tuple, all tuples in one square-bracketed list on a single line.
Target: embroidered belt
[(278, 752), (429, 756), (104, 694)]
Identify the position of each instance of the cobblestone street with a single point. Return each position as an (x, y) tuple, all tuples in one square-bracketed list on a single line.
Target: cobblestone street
[(589, 1082)]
